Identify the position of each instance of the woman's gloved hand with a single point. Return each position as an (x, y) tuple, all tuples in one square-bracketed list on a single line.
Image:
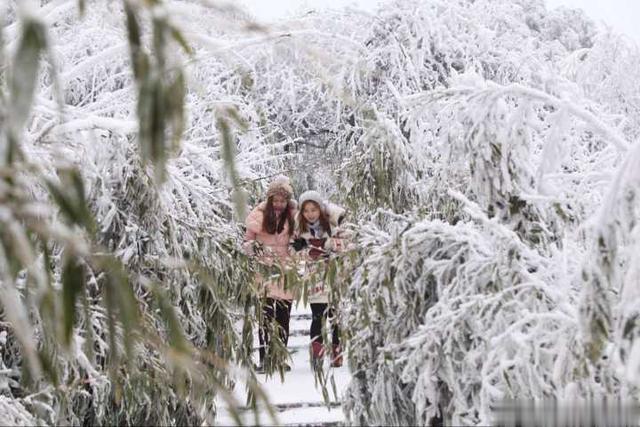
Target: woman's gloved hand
[(299, 244), (257, 248)]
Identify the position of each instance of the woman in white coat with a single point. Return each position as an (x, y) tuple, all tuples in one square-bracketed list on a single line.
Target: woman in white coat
[(317, 233)]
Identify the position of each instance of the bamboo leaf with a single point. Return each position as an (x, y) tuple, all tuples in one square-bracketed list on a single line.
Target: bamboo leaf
[(48, 367), (152, 124), (121, 305), (69, 195), (260, 395), (177, 339), (88, 326), (24, 72), (157, 125), (290, 279), (179, 38), (12, 242), (334, 387), (73, 282), (229, 157), (305, 291), (15, 312), (235, 116), (13, 150), (175, 100), (64, 204), (160, 28), (81, 205), (139, 60), (331, 273)]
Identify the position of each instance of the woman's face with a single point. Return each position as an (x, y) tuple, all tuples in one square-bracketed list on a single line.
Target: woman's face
[(311, 212), (279, 204)]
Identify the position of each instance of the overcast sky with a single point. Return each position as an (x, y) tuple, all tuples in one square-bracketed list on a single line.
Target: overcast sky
[(622, 15)]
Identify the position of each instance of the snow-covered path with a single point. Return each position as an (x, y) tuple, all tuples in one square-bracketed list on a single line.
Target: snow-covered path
[(297, 400)]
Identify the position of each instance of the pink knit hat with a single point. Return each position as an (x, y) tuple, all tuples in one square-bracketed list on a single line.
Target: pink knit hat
[(280, 186)]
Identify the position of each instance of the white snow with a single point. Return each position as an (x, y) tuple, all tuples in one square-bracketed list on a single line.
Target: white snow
[(298, 387)]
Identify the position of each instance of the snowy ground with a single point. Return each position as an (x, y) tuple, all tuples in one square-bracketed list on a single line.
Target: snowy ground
[(297, 400)]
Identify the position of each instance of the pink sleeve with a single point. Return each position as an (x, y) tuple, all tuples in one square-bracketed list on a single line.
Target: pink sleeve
[(250, 234)]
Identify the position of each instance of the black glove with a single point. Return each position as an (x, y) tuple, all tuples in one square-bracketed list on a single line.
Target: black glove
[(258, 248), (299, 244)]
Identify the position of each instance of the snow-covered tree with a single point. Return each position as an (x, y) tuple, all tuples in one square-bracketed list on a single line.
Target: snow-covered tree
[(505, 142), (487, 149), (122, 280)]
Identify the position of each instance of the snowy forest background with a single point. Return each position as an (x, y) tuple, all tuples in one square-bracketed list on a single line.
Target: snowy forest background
[(487, 152)]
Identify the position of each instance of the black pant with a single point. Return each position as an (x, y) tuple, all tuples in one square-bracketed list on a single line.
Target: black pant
[(277, 309), (320, 312)]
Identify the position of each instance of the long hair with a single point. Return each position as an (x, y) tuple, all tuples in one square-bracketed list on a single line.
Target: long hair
[(270, 223), (304, 225)]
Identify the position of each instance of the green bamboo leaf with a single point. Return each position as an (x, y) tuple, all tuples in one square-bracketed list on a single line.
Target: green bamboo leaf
[(331, 273), (121, 305), (305, 292), (24, 73), (260, 395), (88, 326), (145, 105), (152, 124), (13, 151), (69, 195), (139, 60), (160, 29), (179, 38), (157, 123), (64, 204), (177, 339), (47, 265), (48, 365), (13, 261), (334, 387), (379, 307), (175, 100), (228, 147), (73, 282), (290, 279), (229, 156), (2, 62), (85, 216), (111, 306), (325, 393), (15, 312), (47, 301), (239, 121)]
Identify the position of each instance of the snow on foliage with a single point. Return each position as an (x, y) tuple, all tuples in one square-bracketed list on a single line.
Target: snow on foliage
[(518, 154), (488, 149), (154, 321)]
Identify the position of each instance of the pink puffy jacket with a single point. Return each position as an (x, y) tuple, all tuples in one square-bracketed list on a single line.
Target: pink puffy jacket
[(276, 249)]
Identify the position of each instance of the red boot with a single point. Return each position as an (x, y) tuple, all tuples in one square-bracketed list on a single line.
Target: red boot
[(317, 353), (336, 360)]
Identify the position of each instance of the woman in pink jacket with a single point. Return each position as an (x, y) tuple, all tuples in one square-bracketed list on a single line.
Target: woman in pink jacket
[(269, 229)]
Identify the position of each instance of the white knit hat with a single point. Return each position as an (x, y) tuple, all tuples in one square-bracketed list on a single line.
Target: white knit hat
[(280, 186), (313, 196)]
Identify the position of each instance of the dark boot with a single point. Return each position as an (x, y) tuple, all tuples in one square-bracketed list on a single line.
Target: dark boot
[(259, 369)]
